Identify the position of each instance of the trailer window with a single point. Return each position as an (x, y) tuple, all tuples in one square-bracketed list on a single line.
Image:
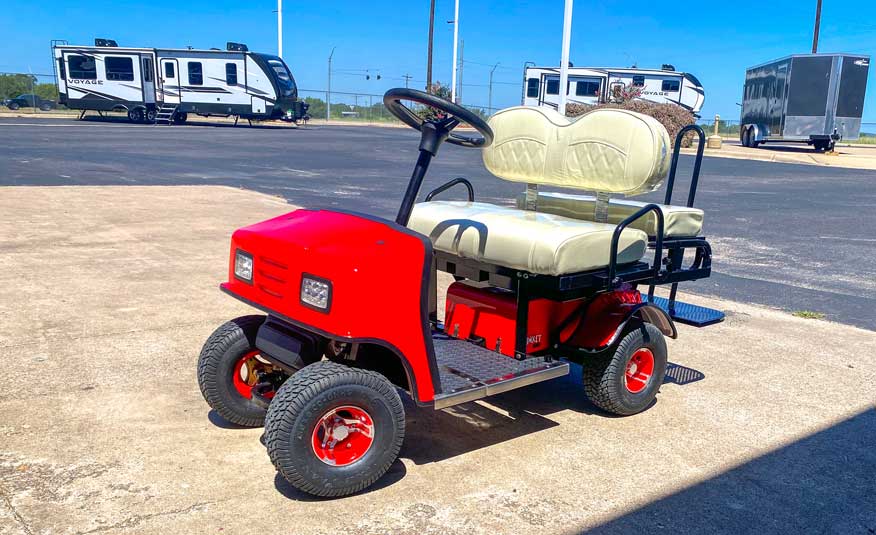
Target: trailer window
[(82, 67), (231, 73), (147, 70), (638, 81), (196, 73), (168, 70), (119, 69), (61, 69), (553, 87), (587, 89), (670, 85), (532, 86)]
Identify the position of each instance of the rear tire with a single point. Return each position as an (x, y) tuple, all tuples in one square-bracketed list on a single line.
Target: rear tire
[(333, 430), (218, 363), (135, 115), (180, 117), (626, 382), (150, 116), (46, 107)]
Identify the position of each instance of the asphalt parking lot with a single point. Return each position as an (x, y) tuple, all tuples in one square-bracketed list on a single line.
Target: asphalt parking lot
[(795, 237), (764, 425)]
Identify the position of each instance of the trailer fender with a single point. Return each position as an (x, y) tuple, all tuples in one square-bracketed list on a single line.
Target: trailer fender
[(603, 330)]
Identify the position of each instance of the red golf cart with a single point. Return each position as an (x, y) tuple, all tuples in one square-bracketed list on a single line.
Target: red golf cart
[(350, 300)]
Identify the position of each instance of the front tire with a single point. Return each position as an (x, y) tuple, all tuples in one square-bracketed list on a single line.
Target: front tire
[(226, 368), (13, 106), (333, 430), (135, 115), (626, 382)]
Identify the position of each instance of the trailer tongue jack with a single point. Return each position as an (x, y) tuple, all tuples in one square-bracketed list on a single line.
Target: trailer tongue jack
[(349, 301)]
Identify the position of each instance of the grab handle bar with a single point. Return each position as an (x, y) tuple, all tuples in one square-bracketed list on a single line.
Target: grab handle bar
[(447, 185), (615, 238)]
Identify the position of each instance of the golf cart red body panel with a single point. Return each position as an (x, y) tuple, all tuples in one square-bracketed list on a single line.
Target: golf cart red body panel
[(353, 253)]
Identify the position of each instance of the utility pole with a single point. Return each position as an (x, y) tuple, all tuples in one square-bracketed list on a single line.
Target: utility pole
[(817, 27), (455, 42), (490, 98), (328, 91), (461, 68), (280, 28), (564, 59), (407, 78), (429, 60)]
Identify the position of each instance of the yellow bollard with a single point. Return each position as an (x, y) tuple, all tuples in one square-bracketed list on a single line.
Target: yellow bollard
[(714, 141)]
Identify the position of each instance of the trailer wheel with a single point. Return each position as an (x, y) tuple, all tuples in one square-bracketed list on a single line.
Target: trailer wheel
[(333, 430), (626, 382), (180, 117), (150, 115), (228, 367), (135, 115)]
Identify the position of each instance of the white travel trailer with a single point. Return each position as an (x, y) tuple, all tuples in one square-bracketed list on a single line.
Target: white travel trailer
[(167, 84), (597, 85)]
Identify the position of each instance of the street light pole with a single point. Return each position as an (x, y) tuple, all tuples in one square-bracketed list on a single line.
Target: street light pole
[(490, 98), (328, 92), (564, 60), (455, 42), (429, 60), (280, 28), (817, 27)]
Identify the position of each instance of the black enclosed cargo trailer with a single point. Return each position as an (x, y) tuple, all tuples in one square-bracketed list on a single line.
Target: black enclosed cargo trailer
[(812, 98)]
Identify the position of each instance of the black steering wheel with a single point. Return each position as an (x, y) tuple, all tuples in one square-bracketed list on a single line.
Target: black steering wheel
[(455, 115)]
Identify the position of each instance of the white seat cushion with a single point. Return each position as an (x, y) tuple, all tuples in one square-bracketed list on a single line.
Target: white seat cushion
[(536, 242), (678, 221), (609, 150)]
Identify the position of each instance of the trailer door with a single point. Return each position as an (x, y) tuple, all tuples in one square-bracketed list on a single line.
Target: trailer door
[(171, 87), (147, 75)]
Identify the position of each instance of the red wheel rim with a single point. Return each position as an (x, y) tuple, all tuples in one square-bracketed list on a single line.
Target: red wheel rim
[(639, 370), (244, 375), (343, 435)]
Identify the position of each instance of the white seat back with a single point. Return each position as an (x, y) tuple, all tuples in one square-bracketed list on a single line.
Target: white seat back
[(606, 150)]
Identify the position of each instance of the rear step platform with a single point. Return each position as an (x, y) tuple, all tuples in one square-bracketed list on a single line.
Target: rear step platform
[(469, 372), (686, 313)]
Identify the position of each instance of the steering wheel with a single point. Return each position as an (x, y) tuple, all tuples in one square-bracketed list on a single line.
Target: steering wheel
[(455, 115)]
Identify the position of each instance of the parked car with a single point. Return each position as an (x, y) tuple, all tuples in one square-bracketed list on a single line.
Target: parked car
[(30, 101)]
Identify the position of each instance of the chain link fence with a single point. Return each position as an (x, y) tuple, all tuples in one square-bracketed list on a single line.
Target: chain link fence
[(29, 93)]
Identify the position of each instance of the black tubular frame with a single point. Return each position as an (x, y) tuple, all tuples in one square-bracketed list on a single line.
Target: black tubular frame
[(658, 242), (695, 178), (449, 184)]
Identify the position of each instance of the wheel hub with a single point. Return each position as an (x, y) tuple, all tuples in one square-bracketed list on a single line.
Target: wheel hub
[(343, 435), (640, 368), (246, 373)]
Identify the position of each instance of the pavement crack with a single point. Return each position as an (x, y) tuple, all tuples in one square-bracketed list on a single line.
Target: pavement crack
[(15, 514), (133, 521)]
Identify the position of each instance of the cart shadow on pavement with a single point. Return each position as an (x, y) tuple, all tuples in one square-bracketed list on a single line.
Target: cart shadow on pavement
[(112, 119), (497, 419)]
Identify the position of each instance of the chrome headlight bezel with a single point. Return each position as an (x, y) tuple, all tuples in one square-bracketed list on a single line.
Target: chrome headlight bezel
[(243, 264), (315, 292)]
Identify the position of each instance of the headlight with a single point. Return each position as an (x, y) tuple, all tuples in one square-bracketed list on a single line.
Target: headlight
[(243, 266), (316, 293)]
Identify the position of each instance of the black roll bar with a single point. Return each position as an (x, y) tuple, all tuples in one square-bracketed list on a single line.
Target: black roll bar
[(697, 164), (447, 185), (658, 245)]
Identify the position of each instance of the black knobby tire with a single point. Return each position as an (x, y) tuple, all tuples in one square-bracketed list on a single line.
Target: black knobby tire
[(300, 404), (604, 378), (216, 367)]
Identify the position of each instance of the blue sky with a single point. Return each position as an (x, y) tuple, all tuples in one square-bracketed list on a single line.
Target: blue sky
[(714, 40)]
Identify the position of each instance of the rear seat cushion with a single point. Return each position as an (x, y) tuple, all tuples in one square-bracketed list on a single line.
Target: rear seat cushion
[(541, 243), (679, 221), (610, 150)]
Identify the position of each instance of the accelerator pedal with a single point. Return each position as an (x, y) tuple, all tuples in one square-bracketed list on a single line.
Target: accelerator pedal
[(687, 313)]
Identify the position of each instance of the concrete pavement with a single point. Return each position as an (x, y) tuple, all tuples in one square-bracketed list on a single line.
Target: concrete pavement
[(107, 293)]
